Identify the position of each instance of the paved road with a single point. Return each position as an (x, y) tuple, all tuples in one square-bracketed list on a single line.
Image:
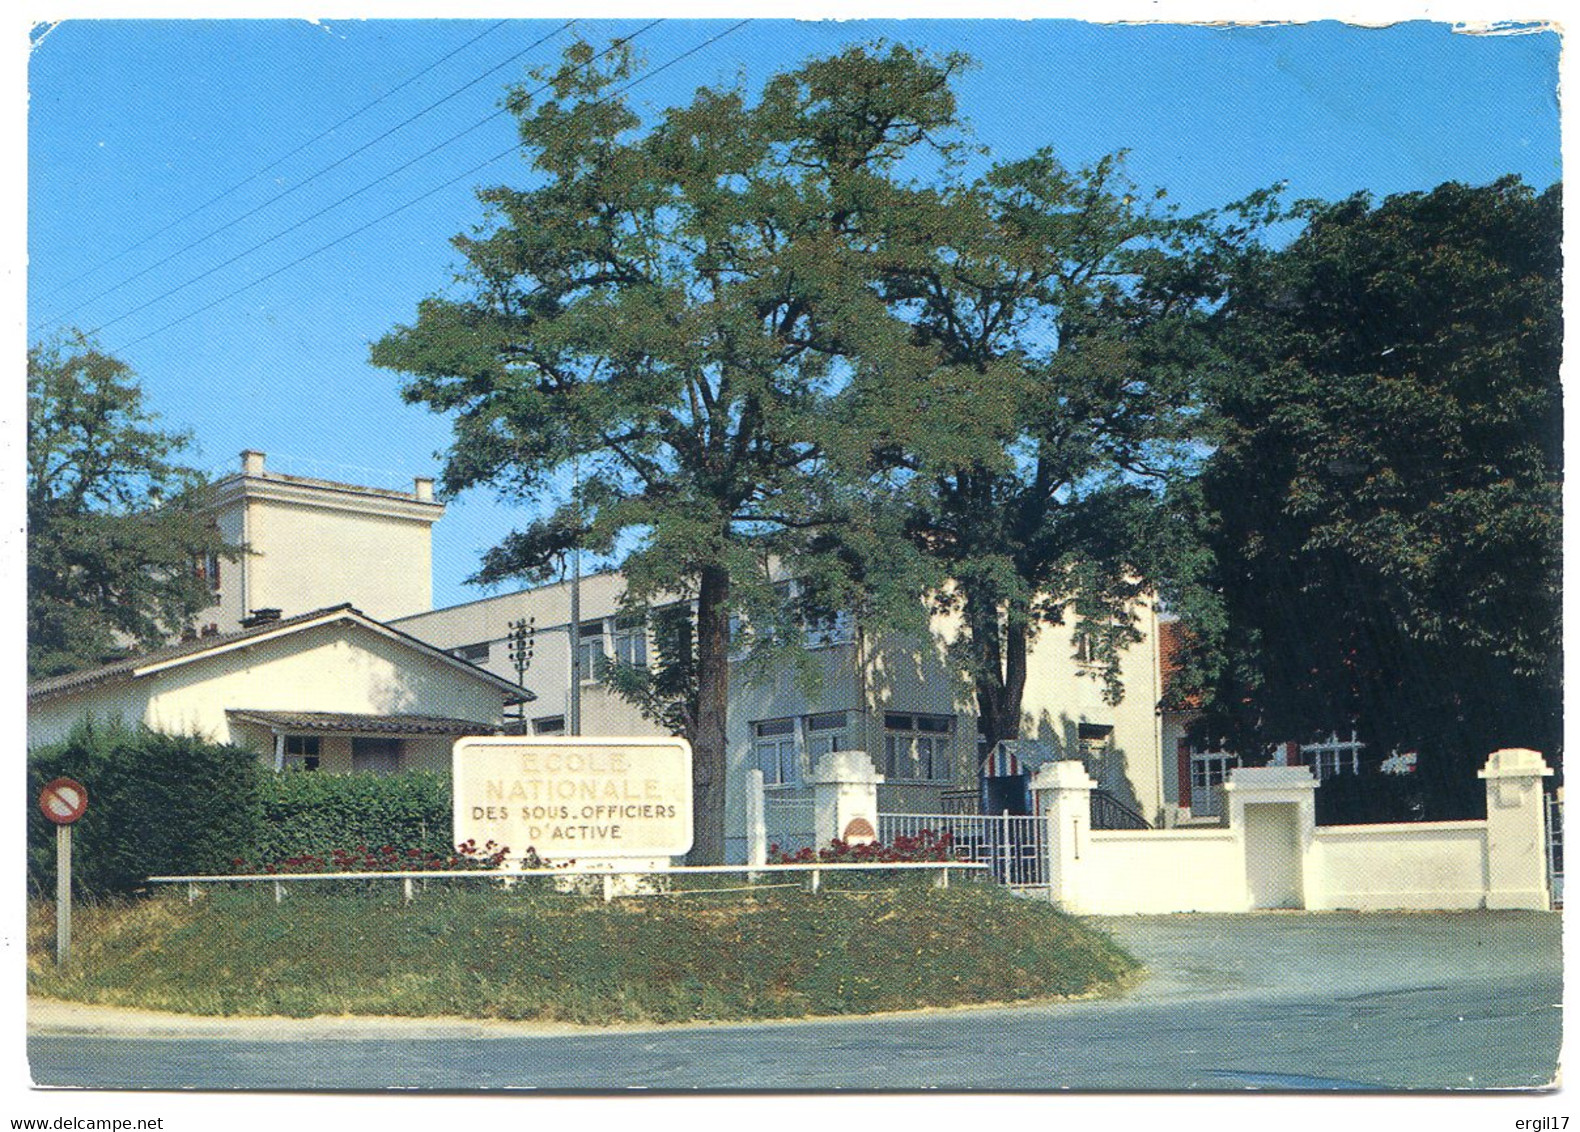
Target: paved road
[(1275, 1001)]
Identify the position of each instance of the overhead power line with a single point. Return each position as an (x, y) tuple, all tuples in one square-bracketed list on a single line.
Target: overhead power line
[(302, 184), (284, 157), (330, 207), (431, 192)]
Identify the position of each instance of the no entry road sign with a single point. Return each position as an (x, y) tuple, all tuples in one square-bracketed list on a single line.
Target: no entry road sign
[(63, 801)]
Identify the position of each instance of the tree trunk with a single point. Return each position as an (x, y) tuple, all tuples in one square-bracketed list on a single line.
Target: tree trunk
[(709, 747), (1001, 676)]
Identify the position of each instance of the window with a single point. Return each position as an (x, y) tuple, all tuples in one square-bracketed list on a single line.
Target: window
[(630, 640), (916, 747), (1091, 637), (825, 733), (476, 654), (590, 651), (375, 755), (1333, 755), (768, 631), (773, 748), (301, 752), (1095, 740), (549, 725), (206, 567), (829, 629), (1208, 771)]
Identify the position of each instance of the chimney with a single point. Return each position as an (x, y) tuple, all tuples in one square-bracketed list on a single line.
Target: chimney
[(252, 463), (260, 617), (422, 488)]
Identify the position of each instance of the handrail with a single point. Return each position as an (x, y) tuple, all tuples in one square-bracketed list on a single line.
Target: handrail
[(487, 874), (814, 869), (1109, 813)]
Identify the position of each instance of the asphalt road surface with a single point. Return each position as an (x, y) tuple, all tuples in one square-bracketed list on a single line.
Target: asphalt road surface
[(1278, 1001)]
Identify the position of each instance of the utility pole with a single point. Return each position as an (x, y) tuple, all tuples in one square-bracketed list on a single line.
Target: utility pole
[(523, 642), (575, 720)]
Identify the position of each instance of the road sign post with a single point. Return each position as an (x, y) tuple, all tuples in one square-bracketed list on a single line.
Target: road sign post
[(62, 894), (63, 801)]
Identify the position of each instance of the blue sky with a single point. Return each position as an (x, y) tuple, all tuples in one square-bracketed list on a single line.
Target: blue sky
[(132, 125)]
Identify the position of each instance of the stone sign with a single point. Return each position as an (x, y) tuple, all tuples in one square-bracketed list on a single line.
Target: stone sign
[(574, 798)]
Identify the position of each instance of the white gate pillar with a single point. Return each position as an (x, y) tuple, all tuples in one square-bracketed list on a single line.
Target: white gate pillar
[(1266, 850), (1063, 796), (756, 819), (844, 798), (1516, 829)]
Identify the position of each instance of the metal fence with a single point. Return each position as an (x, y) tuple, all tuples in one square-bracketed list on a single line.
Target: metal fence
[(1013, 846), (789, 821), (1555, 846)]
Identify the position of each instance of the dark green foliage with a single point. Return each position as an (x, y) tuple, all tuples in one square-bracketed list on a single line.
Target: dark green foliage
[(1385, 506), (1033, 462), (665, 689), (115, 523), (666, 314), (1371, 797), (309, 812), (163, 805), (157, 805)]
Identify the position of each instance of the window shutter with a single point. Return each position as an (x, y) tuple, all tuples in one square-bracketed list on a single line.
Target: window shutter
[(1184, 766)]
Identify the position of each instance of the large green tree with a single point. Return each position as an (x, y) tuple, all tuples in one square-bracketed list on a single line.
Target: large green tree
[(1385, 503), (666, 311), (115, 524), (1063, 310)]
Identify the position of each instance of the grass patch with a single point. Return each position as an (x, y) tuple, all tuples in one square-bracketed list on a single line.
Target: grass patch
[(533, 954)]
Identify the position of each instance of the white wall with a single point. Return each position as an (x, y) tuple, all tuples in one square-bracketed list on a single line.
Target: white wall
[(306, 557), (1271, 854), (1159, 871), (52, 720), (1403, 865)]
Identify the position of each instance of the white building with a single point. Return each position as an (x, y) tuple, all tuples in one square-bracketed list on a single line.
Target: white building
[(312, 543), (330, 690), (897, 699)]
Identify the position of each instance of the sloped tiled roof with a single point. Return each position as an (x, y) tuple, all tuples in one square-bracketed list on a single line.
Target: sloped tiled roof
[(130, 668), (1172, 637), (124, 669), (348, 722)]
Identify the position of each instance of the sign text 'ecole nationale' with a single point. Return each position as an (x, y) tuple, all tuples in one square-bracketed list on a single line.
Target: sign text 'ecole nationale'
[(569, 798)]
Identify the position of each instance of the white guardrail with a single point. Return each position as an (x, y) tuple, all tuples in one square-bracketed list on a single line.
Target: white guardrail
[(815, 871)]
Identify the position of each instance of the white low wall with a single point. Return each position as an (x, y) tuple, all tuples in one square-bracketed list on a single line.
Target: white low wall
[(1271, 854), (1158, 871), (1406, 865)]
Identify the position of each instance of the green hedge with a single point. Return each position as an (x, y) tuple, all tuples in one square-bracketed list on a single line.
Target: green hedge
[(157, 804), (311, 812), (177, 804)]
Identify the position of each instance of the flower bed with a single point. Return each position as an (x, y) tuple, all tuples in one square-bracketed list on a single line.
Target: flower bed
[(925, 845)]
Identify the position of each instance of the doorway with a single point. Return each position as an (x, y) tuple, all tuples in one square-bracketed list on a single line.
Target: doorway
[(1273, 855)]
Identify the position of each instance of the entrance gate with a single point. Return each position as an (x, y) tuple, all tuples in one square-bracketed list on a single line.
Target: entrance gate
[(1013, 846)]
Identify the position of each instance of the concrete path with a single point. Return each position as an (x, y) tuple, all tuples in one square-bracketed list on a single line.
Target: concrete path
[(1276, 1001)]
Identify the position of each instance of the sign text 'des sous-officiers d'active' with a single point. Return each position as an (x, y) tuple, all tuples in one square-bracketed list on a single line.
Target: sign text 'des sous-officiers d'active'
[(575, 798)]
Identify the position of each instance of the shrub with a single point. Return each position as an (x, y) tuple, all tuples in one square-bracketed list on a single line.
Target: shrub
[(925, 845), (1372, 796), (157, 804), (311, 813), (466, 856)]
